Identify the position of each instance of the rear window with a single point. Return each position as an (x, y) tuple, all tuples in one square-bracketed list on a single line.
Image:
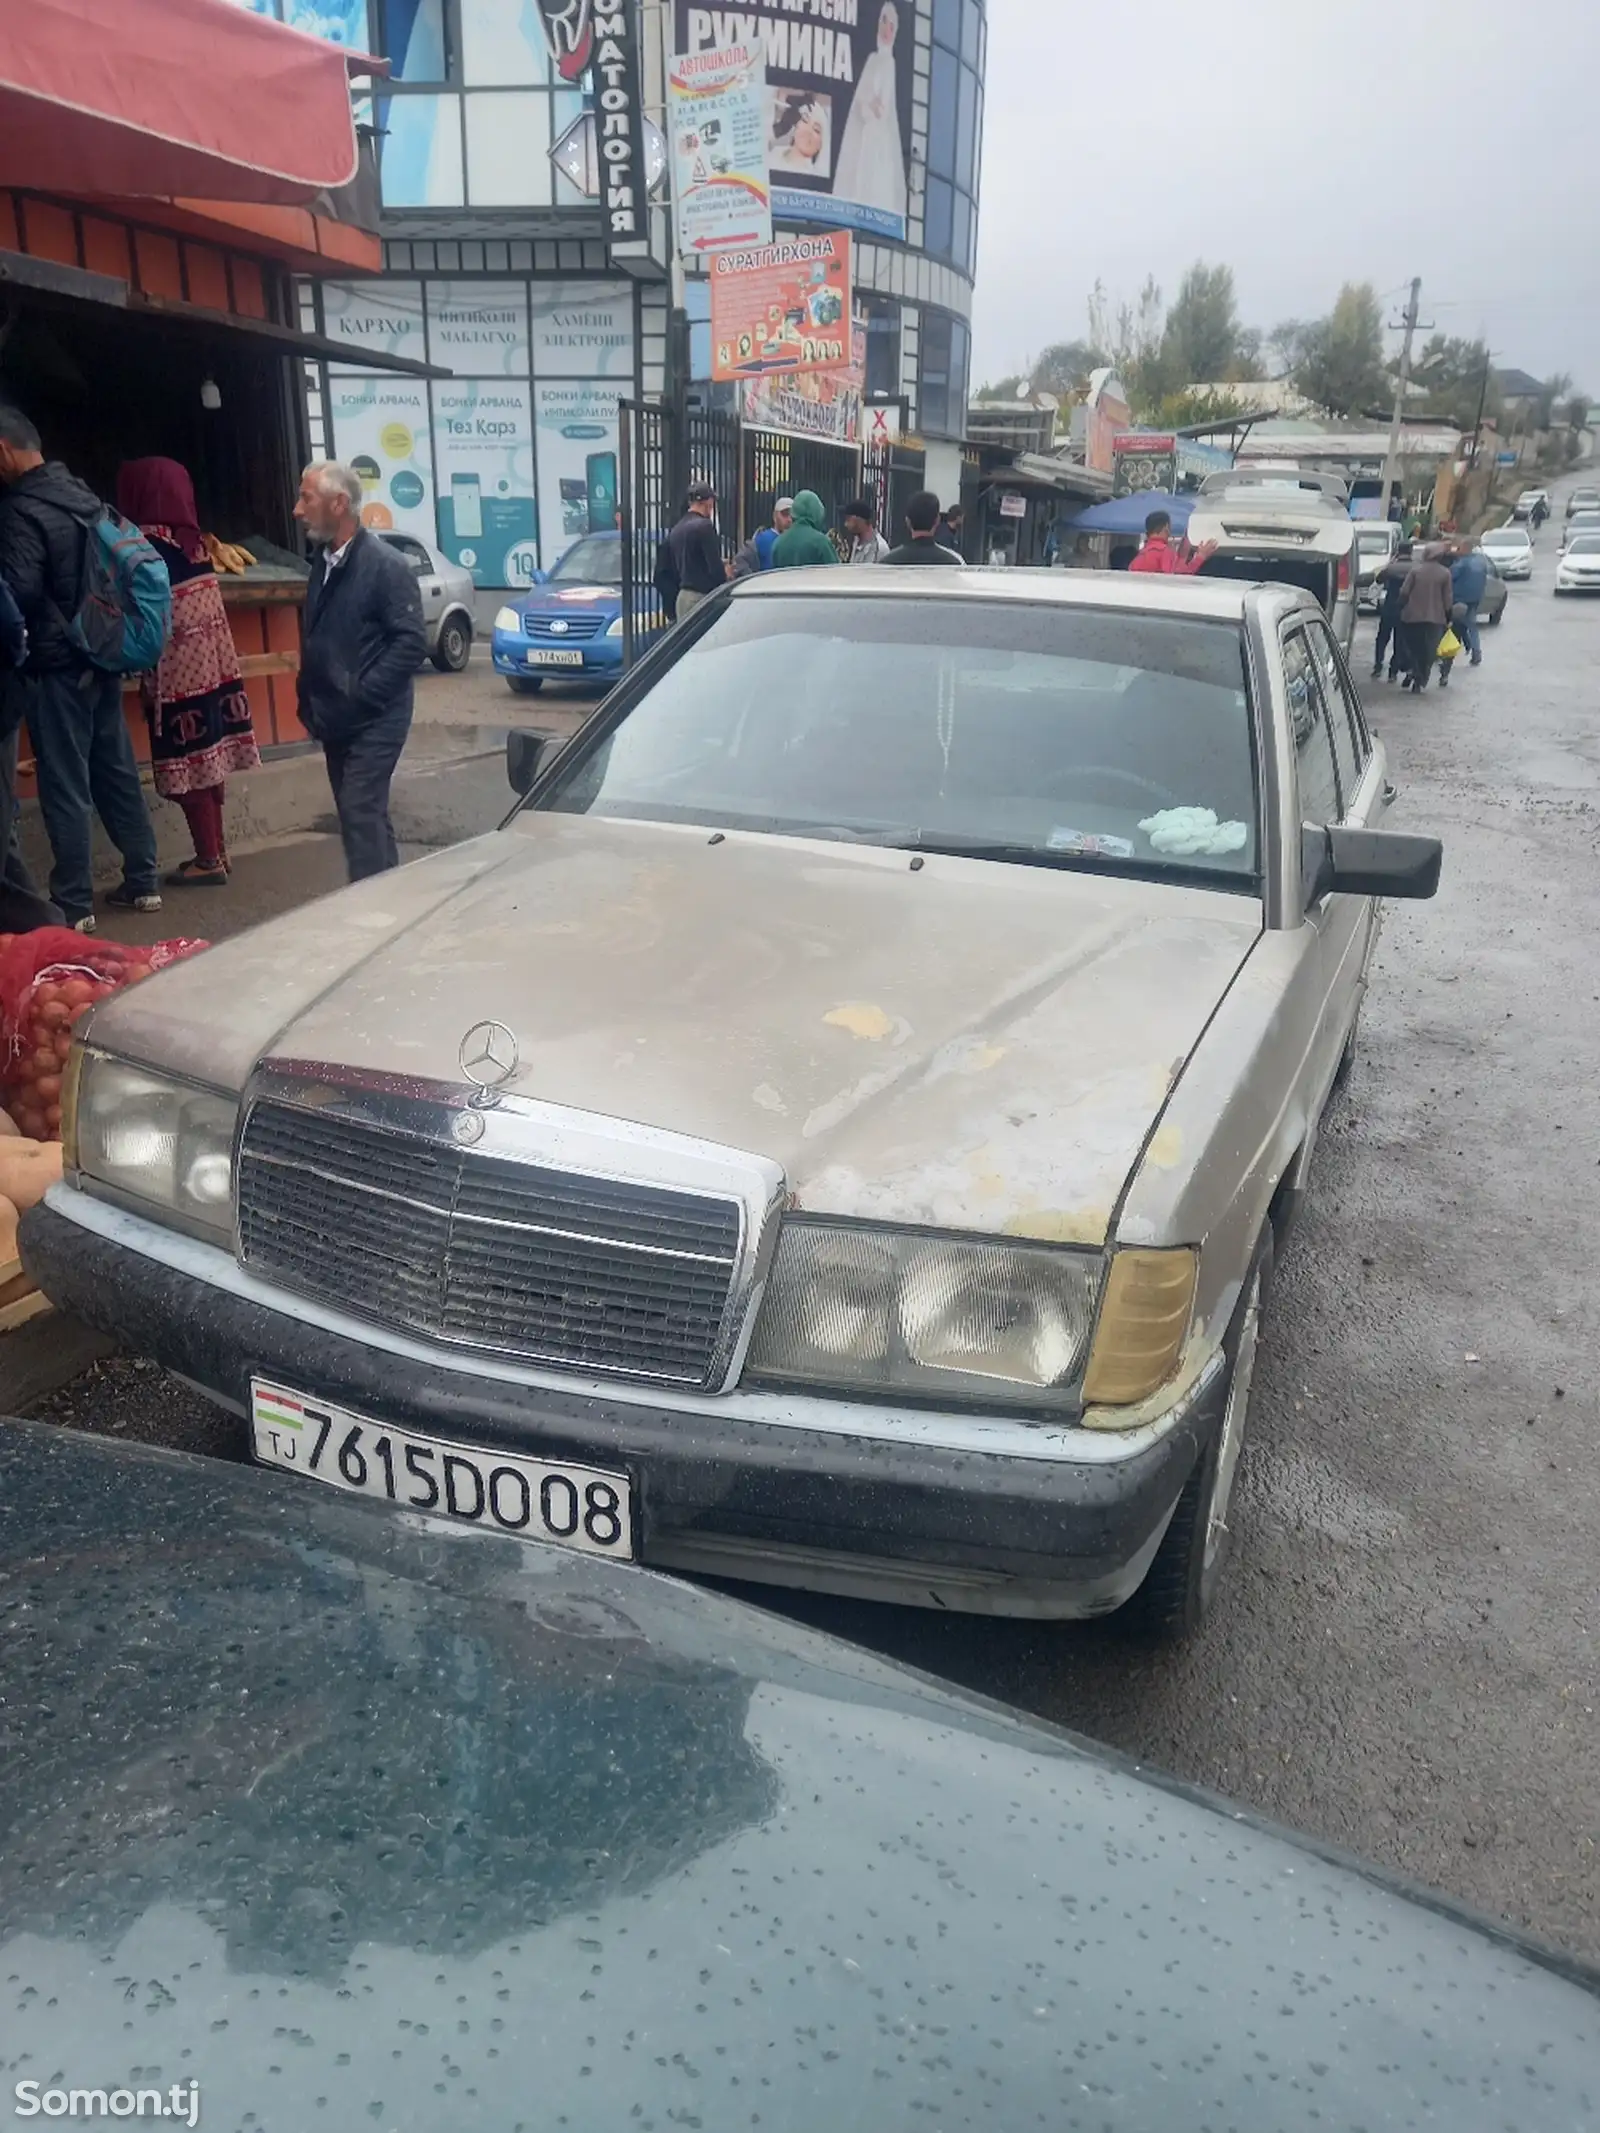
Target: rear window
[(1048, 734)]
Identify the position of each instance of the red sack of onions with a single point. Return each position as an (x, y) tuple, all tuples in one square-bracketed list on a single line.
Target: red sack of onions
[(49, 980)]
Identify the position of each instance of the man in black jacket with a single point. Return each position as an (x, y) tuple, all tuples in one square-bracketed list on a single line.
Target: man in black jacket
[(924, 546), (21, 906), (81, 746), (364, 641)]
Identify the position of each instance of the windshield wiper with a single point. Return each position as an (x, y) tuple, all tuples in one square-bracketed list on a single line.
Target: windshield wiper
[(1033, 855)]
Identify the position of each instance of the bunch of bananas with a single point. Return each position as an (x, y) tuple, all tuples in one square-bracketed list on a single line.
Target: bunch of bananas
[(225, 557)]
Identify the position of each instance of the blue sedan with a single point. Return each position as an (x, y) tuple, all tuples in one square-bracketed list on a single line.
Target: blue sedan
[(569, 624)]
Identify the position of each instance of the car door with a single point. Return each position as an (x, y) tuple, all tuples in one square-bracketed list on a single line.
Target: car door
[(1349, 924)]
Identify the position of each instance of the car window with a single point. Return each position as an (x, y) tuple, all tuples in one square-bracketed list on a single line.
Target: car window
[(1313, 747), (594, 560), (1350, 745), (1041, 731), (413, 551)]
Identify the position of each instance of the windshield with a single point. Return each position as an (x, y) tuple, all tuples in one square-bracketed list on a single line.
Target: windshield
[(1505, 537), (1053, 735), (594, 561), (1368, 543), (1585, 544)]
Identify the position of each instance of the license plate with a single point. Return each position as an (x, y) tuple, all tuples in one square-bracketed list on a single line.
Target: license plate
[(555, 659), (567, 1506)]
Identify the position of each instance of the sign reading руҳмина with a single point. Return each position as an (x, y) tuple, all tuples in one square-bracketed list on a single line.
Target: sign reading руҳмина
[(782, 307)]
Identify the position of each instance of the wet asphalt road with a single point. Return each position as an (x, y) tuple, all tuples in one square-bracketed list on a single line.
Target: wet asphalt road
[(1404, 1661)]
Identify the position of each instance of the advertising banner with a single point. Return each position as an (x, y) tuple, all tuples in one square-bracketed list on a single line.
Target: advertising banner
[(1142, 459), (583, 329), (781, 308), (717, 120), (824, 404), (619, 115), (838, 103), (483, 449), (577, 432), (479, 328), (380, 426), (383, 316)]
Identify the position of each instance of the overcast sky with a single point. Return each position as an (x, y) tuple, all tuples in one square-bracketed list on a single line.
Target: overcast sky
[(1304, 143)]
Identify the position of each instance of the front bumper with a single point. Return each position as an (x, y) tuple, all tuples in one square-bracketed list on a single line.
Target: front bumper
[(601, 656), (879, 1514)]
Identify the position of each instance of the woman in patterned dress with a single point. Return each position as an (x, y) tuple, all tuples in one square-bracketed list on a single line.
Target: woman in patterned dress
[(199, 714)]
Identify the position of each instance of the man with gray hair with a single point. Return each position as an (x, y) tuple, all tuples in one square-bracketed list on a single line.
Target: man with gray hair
[(363, 643)]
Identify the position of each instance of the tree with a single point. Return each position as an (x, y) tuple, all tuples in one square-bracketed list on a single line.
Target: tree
[(1554, 388), (1181, 411), (1064, 367), (1200, 344), (1337, 361), (1578, 412), (1455, 375)]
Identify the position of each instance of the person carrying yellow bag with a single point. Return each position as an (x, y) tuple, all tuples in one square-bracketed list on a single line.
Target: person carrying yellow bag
[(1449, 649)]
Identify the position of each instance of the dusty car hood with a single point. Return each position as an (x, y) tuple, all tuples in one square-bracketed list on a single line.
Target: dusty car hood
[(966, 1044)]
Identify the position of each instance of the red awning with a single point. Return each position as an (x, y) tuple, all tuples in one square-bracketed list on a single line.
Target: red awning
[(198, 98)]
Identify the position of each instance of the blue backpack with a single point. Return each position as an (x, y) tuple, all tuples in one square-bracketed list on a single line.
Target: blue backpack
[(124, 612)]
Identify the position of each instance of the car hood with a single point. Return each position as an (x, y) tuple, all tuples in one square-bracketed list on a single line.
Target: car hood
[(355, 1821), (563, 600), (965, 1044)]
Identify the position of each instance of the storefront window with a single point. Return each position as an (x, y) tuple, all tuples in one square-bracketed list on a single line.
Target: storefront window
[(414, 40), (883, 350), (420, 151)]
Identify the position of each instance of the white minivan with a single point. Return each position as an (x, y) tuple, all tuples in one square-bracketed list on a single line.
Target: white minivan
[(1282, 525)]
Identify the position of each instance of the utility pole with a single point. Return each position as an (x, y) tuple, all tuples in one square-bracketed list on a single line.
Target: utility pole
[(1391, 456), (1483, 395)]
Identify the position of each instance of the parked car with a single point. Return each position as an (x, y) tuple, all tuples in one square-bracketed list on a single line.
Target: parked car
[(1580, 522), (1578, 568), (347, 1820), (1376, 541), (1509, 549), (1492, 607), (447, 595), (713, 1167), (570, 624), (1585, 499), (1289, 529)]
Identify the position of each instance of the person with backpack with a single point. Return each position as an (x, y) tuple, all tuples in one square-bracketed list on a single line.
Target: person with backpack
[(97, 604), (22, 908)]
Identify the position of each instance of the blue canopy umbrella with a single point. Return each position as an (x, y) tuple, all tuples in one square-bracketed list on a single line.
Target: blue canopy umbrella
[(1127, 514)]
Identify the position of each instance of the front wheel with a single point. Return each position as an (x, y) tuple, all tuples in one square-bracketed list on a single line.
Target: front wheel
[(1497, 618), (524, 684), (454, 648), (1182, 1582)]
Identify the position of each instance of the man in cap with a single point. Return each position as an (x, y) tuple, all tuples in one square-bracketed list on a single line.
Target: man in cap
[(691, 563)]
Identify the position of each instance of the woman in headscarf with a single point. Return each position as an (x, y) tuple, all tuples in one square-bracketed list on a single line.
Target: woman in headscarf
[(872, 158), (199, 714)]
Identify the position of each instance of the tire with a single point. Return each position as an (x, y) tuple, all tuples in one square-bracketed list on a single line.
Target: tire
[(454, 648), (1182, 1582), (524, 684), (1347, 1058), (1497, 618)]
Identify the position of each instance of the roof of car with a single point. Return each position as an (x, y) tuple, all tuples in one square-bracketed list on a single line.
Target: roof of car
[(1206, 599)]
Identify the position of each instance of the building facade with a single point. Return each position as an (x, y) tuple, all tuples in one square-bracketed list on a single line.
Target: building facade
[(498, 267)]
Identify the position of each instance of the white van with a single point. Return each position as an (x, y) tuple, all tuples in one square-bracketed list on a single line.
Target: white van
[(1286, 526)]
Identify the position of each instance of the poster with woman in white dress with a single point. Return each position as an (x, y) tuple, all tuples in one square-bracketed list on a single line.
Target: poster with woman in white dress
[(871, 163)]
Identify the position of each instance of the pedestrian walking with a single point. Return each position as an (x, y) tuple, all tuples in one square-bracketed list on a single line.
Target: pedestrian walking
[(1469, 580), (1425, 604), (1448, 652), (922, 545), (806, 544), (82, 752), (690, 564), (22, 908), (1162, 557), (953, 530), (364, 641), (1391, 635), (867, 544), (195, 700)]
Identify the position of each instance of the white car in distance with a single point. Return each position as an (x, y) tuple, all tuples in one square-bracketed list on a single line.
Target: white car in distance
[(1510, 549), (1578, 569)]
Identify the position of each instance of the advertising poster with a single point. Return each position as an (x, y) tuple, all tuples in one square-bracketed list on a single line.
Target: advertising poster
[(483, 452), (1143, 459), (577, 430), (479, 329), (377, 317), (583, 329), (380, 426), (717, 120), (838, 103), (825, 404), (781, 308), (339, 21)]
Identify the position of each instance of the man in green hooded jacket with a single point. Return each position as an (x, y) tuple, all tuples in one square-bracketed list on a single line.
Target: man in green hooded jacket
[(805, 543)]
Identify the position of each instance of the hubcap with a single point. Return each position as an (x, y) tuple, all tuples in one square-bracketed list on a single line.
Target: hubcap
[(1232, 1441)]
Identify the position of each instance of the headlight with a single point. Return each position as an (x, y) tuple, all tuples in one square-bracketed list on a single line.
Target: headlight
[(153, 1139), (885, 1311), (615, 629), (507, 618)]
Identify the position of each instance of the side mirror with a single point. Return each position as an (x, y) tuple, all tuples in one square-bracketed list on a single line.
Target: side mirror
[(1367, 862), (541, 577), (527, 756)]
